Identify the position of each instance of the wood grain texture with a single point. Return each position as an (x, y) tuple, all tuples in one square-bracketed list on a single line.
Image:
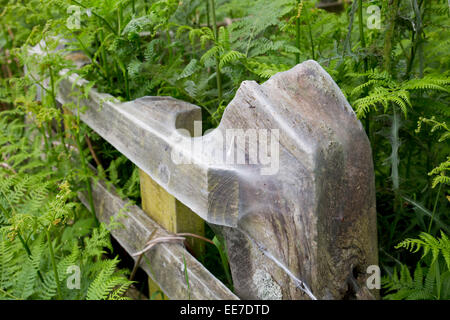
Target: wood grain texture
[(315, 219)]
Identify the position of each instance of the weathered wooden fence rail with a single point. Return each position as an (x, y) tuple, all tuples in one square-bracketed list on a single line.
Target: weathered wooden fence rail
[(297, 211), (166, 262)]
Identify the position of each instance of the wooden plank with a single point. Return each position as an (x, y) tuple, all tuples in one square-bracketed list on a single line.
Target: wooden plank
[(145, 131), (165, 262)]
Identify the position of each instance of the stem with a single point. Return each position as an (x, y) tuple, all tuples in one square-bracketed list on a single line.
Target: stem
[(208, 22), (428, 167), (103, 55), (138, 262), (22, 241), (91, 149), (408, 162), (127, 85), (347, 42), (297, 33), (363, 45), (47, 131), (367, 125), (169, 46), (389, 36), (9, 294), (186, 276), (55, 104), (310, 34), (42, 126), (219, 80), (224, 260), (55, 270), (118, 19), (434, 207), (397, 205), (361, 32), (46, 145), (125, 77), (249, 42), (416, 42), (103, 72), (184, 234), (85, 170), (25, 245), (411, 56), (100, 17), (28, 251)]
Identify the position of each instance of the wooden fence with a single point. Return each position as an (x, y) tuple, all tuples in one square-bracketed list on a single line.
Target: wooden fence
[(299, 221)]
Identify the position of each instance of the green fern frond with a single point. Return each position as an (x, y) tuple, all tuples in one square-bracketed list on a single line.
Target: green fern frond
[(26, 279), (189, 70), (230, 57), (429, 244), (107, 285), (94, 245), (265, 70), (427, 83), (208, 57), (443, 168)]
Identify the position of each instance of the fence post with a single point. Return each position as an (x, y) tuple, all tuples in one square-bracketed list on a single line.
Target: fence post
[(308, 230)]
